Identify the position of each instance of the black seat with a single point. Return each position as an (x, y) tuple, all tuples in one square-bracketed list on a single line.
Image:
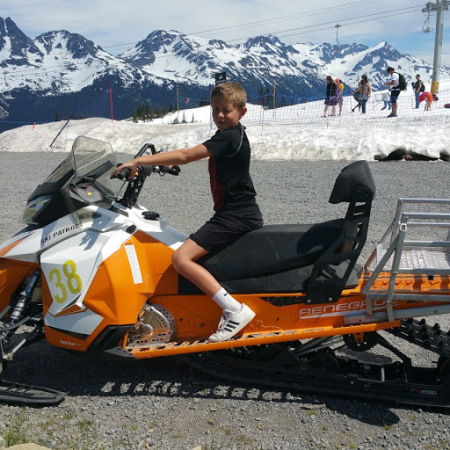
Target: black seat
[(318, 259), (272, 249)]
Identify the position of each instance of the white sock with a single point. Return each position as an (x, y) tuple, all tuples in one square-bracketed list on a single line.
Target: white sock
[(226, 301)]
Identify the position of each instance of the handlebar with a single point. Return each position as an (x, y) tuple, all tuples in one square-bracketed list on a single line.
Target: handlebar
[(144, 149), (125, 173), (136, 182), (174, 170)]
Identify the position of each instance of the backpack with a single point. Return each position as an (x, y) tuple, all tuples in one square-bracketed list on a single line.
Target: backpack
[(402, 82), (422, 87)]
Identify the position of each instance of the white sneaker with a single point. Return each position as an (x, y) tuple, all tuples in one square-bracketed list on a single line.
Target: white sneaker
[(230, 324)]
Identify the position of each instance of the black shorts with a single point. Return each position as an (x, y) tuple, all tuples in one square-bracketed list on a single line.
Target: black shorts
[(225, 227), (394, 96)]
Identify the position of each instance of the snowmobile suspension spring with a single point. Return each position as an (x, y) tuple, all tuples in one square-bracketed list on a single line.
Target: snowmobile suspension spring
[(24, 297)]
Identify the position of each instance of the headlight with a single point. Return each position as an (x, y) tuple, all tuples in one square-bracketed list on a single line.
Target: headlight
[(34, 207)]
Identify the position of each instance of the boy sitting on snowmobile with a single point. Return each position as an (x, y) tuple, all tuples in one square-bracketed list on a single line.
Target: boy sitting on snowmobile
[(236, 211)]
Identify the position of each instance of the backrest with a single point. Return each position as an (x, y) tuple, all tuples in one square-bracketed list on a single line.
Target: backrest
[(332, 269), (354, 183)]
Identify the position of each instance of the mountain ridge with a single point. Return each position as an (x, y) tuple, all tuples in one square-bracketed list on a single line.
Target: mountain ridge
[(41, 76)]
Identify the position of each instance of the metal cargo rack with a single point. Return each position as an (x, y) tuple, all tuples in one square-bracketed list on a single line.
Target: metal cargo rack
[(407, 254)]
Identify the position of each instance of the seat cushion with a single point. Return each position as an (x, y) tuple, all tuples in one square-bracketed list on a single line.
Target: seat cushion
[(273, 249)]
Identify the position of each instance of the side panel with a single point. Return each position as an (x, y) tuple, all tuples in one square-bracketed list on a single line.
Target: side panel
[(28, 244), (68, 269), (103, 281)]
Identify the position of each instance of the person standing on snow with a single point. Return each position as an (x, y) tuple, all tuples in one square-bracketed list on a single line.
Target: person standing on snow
[(393, 85), (365, 91), (418, 89), (331, 98), (340, 94)]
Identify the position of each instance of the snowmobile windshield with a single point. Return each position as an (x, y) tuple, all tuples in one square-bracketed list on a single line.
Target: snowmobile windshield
[(89, 158), (82, 178), (94, 159)]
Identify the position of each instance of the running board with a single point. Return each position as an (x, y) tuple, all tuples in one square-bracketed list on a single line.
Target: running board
[(23, 394), (248, 339)]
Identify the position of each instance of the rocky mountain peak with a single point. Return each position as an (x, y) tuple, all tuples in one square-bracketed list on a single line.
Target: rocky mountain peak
[(16, 48), (62, 41)]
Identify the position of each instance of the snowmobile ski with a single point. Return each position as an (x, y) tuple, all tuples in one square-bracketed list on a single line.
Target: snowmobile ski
[(23, 394)]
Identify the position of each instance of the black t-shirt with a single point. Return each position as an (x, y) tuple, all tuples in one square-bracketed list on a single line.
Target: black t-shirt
[(231, 184)]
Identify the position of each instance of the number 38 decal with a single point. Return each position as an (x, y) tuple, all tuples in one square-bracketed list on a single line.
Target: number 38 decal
[(67, 280)]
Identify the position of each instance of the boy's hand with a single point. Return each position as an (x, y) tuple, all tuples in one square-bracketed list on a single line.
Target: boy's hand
[(125, 170)]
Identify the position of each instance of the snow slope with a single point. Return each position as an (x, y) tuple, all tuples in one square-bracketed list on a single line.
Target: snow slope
[(280, 134)]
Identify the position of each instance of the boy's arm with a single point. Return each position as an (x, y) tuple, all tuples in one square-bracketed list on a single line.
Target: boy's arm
[(172, 158)]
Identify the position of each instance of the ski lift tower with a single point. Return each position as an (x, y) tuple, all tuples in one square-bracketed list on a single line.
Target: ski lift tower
[(440, 6), (337, 26)]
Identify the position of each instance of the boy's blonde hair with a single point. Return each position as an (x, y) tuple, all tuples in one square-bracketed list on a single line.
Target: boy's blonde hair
[(234, 91)]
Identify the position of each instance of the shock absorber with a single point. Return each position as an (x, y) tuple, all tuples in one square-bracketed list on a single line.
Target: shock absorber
[(24, 297)]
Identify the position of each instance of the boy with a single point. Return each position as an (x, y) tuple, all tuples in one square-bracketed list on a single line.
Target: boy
[(236, 211)]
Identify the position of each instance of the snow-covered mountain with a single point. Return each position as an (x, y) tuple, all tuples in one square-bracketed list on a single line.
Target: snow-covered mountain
[(352, 61), (59, 72), (296, 69), (259, 61), (58, 62)]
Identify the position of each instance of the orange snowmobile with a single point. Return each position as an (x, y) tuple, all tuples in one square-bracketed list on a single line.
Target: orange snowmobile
[(92, 273)]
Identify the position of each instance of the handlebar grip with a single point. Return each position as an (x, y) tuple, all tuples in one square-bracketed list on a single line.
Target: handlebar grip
[(123, 174), (174, 170)]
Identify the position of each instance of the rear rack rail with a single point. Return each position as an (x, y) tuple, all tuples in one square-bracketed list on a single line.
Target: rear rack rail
[(407, 254)]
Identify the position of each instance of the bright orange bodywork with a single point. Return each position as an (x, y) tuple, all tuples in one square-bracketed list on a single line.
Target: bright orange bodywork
[(118, 300)]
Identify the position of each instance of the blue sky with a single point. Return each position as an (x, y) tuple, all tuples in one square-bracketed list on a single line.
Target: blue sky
[(117, 24)]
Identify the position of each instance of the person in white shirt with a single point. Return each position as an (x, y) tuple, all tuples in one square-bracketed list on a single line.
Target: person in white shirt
[(393, 86)]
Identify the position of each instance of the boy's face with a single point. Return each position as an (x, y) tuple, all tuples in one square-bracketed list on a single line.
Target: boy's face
[(225, 113)]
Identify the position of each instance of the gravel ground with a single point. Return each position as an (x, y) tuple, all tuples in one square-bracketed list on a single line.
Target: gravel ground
[(162, 404)]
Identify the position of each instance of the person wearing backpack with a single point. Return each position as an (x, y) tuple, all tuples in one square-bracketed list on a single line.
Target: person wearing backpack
[(394, 86), (418, 89)]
